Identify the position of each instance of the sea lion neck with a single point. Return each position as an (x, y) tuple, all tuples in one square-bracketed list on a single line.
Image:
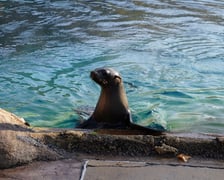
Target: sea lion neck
[(112, 107), (114, 95)]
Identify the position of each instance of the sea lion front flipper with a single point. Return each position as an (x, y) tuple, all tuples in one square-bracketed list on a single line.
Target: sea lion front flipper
[(88, 124)]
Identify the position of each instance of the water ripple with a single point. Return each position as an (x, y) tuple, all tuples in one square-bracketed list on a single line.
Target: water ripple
[(170, 55)]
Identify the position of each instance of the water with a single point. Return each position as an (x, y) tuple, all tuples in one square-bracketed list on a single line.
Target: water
[(170, 55)]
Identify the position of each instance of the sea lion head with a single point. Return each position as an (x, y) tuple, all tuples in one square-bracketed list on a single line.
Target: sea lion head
[(106, 77)]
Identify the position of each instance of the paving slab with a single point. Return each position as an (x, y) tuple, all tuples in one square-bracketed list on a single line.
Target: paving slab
[(91, 169), (125, 170), (53, 170)]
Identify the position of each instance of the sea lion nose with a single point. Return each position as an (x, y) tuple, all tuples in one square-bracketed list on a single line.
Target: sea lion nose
[(93, 74)]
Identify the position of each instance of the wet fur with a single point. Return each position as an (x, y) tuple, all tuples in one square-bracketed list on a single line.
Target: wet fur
[(112, 110)]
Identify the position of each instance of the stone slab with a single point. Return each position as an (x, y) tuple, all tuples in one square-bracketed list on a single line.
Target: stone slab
[(53, 170), (124, 170)]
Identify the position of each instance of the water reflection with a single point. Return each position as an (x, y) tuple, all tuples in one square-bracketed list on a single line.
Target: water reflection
[(170, 54)]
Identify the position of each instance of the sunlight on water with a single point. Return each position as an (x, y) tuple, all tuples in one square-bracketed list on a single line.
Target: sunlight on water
[(170, 55)]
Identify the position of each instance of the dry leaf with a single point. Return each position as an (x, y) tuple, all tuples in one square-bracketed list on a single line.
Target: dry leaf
[(183, 157)]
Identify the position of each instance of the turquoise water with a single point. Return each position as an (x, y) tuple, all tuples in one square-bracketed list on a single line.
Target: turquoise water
[(170, 55)]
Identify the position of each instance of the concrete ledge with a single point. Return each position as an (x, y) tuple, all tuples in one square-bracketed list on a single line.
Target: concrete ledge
[(20, 144), (170, 144), (19, 147)]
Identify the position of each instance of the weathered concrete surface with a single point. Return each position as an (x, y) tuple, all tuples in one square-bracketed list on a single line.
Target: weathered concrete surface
[(108, 170), (20, 144), (54, 170), (155, 169), (203, 146), (11, 121), (17, 148)]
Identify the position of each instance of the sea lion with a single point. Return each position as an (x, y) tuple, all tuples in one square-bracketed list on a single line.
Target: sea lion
[(111, 111)]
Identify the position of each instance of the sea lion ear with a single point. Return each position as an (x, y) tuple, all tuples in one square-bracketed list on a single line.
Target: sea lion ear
[(117, 79)]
